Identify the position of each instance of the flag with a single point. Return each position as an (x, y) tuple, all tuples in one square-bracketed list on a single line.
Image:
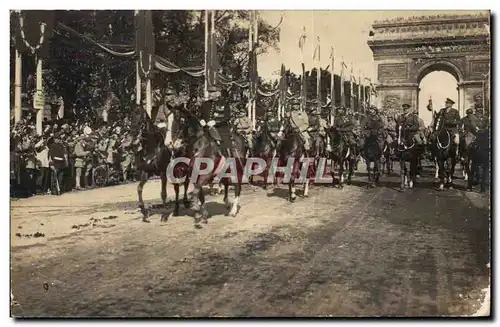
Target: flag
[(283, 85), (213, 60), (145, 42)]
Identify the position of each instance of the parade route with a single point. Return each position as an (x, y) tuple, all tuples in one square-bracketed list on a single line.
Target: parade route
[(350, 252)]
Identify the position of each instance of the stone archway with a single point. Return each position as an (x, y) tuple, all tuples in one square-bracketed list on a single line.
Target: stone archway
[(407, 49)]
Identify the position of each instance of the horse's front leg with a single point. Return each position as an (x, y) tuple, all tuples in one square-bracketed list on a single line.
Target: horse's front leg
[(341, 175), (163, 176), (402, 169), (145, 212), (226, 195), (200, 213), (442, 174), (177, 187), (237, 193), (291, 189), (185, 200)]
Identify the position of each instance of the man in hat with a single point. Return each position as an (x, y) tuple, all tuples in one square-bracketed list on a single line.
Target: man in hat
[(243, 126), (373, 125), (314, 126), (409, 121), (451, 121), (58, 161), (344, 125), (300, 123), (82, 160), (391, 130), (471, 125), (483, 120)]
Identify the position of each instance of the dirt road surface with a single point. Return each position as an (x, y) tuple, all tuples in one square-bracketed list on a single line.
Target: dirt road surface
[(350, 252)]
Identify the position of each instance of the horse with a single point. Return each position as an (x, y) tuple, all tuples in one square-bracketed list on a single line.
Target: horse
[(342, 155), (182, 149), (237, 152), (264, 148), (152, 158), (477, 159), (407, 152), (372, 153), (387, 163), (292, 146), (445, 154)]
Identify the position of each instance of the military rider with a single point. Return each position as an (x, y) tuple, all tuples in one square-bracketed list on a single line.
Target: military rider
[(471, 125), (373, 125), (391, 130), (315, 129), (409, 120), (300, 123), (451, 120), (243, 126), (344, 125)]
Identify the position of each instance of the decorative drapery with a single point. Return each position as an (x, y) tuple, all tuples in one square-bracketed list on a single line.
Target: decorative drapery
[(33, 30), (145, 42)]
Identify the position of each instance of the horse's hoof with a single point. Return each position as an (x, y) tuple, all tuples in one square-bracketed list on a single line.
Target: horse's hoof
[(145, 220), (187, 204), (197, 226), (164, 217), (450, 187), (401, 189), (292, 200)]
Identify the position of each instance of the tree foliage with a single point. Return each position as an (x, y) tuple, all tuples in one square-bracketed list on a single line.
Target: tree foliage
[(83, 74)]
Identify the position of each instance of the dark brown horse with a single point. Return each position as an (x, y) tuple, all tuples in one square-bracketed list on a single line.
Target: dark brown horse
[(152, 158), (292, 148)]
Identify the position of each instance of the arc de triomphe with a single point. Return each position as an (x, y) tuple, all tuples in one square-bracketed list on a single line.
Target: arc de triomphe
[(407, 49)]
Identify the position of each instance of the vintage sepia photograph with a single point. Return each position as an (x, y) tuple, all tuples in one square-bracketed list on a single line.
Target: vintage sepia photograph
[(250, 163)]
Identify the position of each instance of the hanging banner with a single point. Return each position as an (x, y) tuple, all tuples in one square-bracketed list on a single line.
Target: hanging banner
[(145, 42), (39, 100), (33, 30)]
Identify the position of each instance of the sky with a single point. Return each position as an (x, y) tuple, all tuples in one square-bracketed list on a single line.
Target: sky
[(346, 31)]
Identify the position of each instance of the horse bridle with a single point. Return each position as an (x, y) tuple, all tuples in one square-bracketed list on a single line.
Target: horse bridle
[(402, 143)]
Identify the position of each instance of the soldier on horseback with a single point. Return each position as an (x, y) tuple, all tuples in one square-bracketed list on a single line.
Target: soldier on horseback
[(409, 121), (451, 120), (316, 130), (471, 125), (372, 125), (391, 130), (344, 125), (300, 123), (243, 126)]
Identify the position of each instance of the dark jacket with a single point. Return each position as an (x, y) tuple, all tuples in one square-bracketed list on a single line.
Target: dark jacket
[(451, 119)]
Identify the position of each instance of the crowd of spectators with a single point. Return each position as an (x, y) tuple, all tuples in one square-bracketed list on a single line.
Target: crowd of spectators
[(71, 154)]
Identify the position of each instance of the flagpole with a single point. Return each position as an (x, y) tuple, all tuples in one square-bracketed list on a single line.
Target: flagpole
[(318, 76), (303, 79), (342, 81), (255, 41), (138, 90), (359, 90), (332, 90), (250, 48), (18, 87), (351, 86), (205, 87), (39, 92)]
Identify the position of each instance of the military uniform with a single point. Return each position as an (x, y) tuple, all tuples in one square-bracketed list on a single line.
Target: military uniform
[(410, 122), (344, 125), (243, 126), (82, 161), (471, 125), (300, 123), (373, 125), (391, 131), (451, 120)]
